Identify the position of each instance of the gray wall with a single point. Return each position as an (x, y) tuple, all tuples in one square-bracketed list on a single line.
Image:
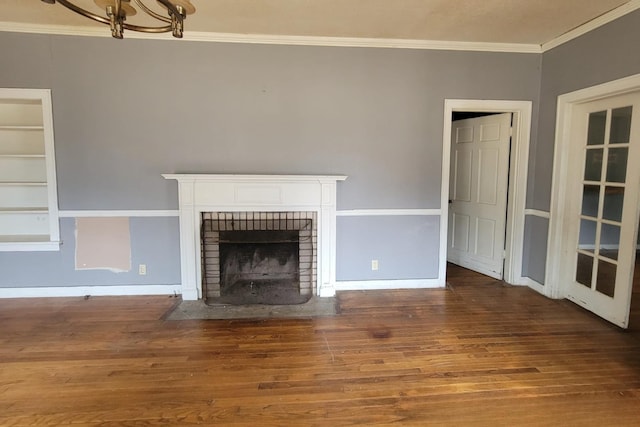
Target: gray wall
[(127, 111), (153, 242), (605, 54), (361, 240), (534, 251)]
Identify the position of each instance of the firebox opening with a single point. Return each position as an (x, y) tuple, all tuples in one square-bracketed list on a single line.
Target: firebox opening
[(258, 257), (260, 267)]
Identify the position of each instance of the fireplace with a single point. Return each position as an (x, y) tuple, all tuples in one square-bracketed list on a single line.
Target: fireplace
[(258, 257), (261, 195)]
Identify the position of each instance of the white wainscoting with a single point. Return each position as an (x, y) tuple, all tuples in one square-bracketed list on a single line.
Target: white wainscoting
[(93, 290), (359, 285)]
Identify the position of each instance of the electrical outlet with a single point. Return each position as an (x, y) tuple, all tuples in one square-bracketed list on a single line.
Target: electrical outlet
[(142, 269), (374, 264)]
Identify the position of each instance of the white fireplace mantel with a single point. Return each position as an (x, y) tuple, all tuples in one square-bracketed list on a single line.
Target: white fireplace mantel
[(199, 193)]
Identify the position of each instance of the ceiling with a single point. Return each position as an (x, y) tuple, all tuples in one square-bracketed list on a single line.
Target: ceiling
[(521, 22)]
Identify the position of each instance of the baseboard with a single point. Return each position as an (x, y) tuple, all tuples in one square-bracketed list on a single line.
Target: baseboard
[(79, 291), (529, 282), (362, 285)]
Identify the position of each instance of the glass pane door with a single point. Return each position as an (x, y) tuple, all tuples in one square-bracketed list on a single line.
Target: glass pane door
[(603, 188), (606, 212)]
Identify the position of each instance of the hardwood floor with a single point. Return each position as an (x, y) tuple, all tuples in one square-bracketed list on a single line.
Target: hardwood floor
[(477, 353), (634, 315)]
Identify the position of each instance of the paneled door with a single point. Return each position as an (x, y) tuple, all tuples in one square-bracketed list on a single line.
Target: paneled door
[(478, 193), (604, 182)]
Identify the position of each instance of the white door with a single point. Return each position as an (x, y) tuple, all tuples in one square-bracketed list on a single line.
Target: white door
[(602, 219), (478, 193)]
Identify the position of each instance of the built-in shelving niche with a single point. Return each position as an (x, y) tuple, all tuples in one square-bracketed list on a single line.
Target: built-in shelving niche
[(28, 192)]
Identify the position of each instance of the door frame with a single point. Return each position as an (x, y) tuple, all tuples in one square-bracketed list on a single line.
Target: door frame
[(554, 286), (517, 190)]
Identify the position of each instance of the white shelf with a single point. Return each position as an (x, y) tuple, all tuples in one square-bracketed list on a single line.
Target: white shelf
[(22, 142), (27, 156), (24, 224), (6, 127), (28, 193), (28, 210), (23, 184), (17, 238), (28, 243)]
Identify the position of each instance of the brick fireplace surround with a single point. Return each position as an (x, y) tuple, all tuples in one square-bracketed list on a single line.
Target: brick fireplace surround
[(198, 193)]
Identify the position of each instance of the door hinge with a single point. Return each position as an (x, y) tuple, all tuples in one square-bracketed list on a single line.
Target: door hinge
[(511, 131)]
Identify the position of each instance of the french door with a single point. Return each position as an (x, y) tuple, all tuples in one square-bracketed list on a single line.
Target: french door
[(602, 219)]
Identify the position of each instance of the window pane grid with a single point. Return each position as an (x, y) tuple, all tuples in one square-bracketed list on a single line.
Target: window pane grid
[(606, 154)]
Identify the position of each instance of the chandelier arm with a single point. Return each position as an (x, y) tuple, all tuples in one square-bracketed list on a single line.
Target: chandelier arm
[(175, 23), (150, 12), (138, 28)]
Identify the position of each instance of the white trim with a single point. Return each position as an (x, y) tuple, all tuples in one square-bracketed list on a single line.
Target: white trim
[(279, 39), (538, 213), (605, 90), (554, 285), (363, 285), (50, 241), (607, 247), (592, 25), (68, 30), (29, 246), (519, 163), (79, 291), (364, 42), (50, 156), (389, 212), (529, 282), (118, 213), (199, 193), (234, 178)]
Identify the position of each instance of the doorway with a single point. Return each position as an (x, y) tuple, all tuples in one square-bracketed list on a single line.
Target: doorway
[(478, 187), (513, 228), (595, 201)]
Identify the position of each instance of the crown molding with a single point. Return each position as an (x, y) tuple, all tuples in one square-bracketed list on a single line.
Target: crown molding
[(598, 22), (278, 39), (365, 42), (604, 19), (63, 30)]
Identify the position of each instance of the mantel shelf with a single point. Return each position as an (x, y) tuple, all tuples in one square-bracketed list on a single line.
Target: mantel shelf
[(253, 178)]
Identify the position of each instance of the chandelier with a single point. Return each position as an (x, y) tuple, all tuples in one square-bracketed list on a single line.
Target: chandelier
[(117, 11)]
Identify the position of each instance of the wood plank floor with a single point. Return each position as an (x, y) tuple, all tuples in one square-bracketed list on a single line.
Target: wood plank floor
[(634, 315), (477, 353)]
